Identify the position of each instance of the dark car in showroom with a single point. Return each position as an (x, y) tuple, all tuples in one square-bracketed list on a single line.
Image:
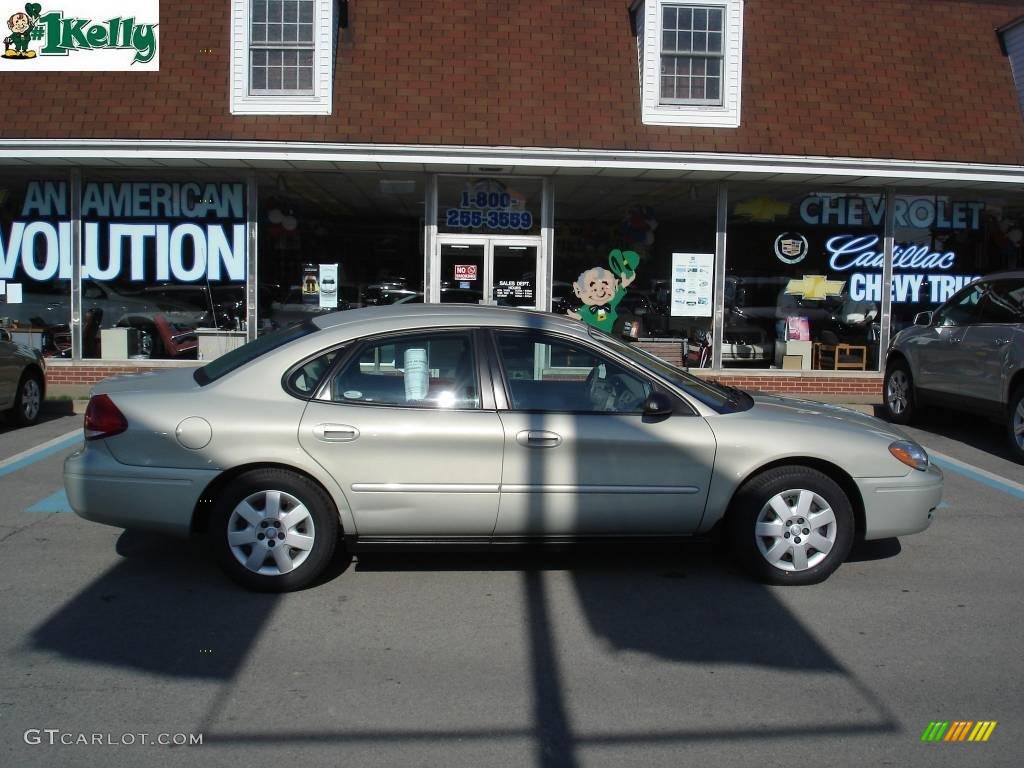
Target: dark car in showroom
[(967, 355)]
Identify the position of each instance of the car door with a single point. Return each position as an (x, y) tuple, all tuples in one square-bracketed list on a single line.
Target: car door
[(580, 456), (990, 338), (944, 366), (404, 427)]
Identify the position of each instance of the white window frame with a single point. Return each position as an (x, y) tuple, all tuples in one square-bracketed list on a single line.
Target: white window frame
[(319, 102), (653, 112)]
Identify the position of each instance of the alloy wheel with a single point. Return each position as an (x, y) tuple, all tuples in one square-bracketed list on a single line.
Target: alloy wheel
[(31, 399), (896, 389), (1018, 424)]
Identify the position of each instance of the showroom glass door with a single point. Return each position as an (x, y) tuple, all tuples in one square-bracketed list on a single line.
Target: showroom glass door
[(488, 271)]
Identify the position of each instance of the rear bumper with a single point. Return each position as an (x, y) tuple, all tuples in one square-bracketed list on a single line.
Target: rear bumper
[(104, 490), (899, 506)]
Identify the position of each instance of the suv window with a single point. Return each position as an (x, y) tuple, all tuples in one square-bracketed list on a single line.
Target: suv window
[(435, 370), (538, 380), (1003, 302), (962, 309)]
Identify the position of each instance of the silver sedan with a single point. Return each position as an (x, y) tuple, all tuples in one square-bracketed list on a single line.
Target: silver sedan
[(423, 425)]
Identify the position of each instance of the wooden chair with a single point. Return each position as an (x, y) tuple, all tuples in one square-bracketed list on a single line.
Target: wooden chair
[(831, 354)]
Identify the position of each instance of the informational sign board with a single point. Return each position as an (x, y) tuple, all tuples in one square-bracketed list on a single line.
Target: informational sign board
[(310, 284), (328, 286), (464, 272), (692, 284)]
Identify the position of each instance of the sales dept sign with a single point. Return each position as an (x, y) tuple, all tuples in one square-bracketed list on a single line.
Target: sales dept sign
[(80, 35), (182, 231)]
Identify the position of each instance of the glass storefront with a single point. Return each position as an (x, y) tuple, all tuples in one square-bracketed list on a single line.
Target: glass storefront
[(35, 260), (942, 242), (791, 300), (164, 260), (167, 263), (635, 257), (331, 241)]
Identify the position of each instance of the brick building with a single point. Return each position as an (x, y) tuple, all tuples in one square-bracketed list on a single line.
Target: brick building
[(798, 179)]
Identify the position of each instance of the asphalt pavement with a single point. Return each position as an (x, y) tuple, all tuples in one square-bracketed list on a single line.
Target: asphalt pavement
[(609, 656)]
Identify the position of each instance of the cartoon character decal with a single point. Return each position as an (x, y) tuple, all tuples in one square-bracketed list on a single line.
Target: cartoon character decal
[(21, 25), (602, 289)]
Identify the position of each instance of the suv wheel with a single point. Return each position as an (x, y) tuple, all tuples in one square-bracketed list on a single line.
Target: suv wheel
[(899, 393), (1015, 424)]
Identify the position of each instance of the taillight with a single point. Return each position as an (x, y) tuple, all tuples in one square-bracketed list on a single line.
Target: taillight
[(103, 419)]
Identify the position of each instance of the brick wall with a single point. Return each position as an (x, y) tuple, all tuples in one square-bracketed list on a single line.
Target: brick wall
[(901, 79)]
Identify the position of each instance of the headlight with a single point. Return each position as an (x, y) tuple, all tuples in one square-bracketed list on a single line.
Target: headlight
[(911, 454)]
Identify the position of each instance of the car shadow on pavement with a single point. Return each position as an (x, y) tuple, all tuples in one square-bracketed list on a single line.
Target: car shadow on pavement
[(165, 609)]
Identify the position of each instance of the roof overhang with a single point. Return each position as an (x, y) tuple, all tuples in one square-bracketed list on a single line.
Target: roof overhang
[(694, 166)]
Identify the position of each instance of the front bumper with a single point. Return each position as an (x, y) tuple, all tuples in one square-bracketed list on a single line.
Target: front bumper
[(103, 490), (899, 506)]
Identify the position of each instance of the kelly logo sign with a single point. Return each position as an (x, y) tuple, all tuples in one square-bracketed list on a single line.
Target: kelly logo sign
[(80, 35)]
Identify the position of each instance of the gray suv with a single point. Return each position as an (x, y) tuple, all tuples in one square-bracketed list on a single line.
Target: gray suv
[(968, 354)]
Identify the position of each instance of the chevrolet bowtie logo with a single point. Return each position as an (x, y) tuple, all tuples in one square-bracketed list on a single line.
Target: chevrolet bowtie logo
[(761, 209), (815, 287)]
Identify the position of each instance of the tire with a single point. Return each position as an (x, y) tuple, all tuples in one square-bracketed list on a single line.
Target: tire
[(248, 531), (29, 401), (898, 393), (1015, 424), (780, 548)]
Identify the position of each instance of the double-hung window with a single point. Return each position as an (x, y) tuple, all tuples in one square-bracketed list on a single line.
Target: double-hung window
[(282, 56), (690, 61)]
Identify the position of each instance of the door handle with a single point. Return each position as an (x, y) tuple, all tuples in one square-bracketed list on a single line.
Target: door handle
[(335, 433), (532, 438)]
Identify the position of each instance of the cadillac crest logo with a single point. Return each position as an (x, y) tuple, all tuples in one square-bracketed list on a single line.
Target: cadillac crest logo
[(791, 247)]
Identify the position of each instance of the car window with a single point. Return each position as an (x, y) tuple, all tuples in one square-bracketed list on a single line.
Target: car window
[(962, 309), (538, 380), (305, 379), (435, 370), (1003, 302)]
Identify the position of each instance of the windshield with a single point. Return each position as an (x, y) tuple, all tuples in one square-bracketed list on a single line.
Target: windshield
[(246, 353), (723, 399)]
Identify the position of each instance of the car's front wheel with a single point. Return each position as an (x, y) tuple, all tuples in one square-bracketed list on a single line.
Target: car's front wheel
[(28, 403), (900, 407), (1015, 424), (273, 530), (791, 525)]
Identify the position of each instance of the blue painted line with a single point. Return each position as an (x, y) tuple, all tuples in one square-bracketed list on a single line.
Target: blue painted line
[(1006, 487), (55, 502), (57, 447)]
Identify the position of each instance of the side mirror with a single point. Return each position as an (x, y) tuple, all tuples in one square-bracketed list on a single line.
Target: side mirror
[(658, 404), (923, 318)]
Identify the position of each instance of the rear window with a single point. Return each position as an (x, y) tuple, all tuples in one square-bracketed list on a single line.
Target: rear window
[(246, 353)]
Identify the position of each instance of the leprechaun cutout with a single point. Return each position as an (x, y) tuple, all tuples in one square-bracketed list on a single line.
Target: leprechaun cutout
[(602, 289), (21, 24)]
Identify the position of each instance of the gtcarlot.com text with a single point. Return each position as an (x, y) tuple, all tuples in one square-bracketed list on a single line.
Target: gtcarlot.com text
[(57, 737)]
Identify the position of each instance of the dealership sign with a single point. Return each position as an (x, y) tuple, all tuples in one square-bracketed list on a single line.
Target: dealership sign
[(849, 252), (913, 212), (135, 230), (80, 35)]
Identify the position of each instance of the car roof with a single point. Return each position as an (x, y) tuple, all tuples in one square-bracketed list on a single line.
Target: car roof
[(379, 319)]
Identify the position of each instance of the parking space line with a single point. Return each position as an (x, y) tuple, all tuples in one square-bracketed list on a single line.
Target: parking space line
[(977, 473), (55, 502), (32, 455)]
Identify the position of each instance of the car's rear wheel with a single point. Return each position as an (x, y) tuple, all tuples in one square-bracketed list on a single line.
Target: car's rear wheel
[(1015, 424), (900, 406), (29, 401), (273, 530), (791, 525)]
